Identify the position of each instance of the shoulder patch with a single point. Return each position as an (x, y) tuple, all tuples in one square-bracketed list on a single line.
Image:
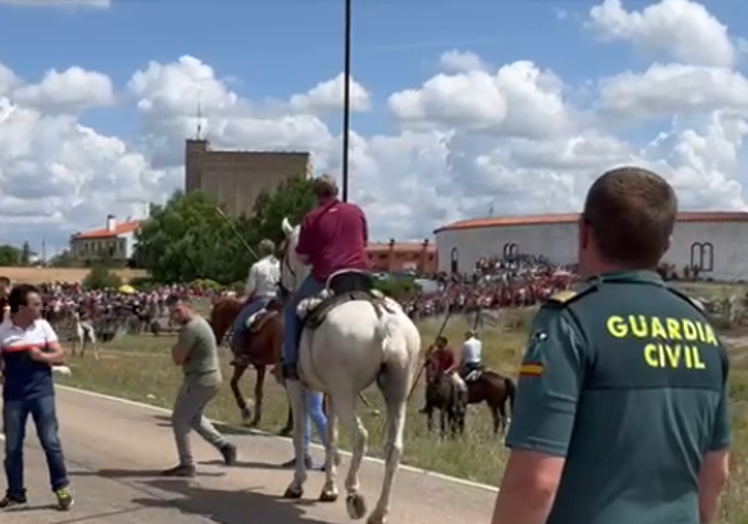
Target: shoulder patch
[(563, 296)]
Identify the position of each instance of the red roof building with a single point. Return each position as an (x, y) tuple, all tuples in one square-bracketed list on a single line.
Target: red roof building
[(114, 242), (400, 257)]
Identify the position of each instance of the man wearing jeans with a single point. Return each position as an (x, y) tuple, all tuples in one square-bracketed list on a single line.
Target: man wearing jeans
[(30, 348), (196, 351)]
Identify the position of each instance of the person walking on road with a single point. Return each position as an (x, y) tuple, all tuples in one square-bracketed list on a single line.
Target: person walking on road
[(196, 352), (622, 411), (29, 348)]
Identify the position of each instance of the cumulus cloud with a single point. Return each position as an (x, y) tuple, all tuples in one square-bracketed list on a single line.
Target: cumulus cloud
[(515, 139), (677, 29), (328, 97)]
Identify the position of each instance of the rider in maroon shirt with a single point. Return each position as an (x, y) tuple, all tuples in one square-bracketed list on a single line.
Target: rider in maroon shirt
[(332, 238)]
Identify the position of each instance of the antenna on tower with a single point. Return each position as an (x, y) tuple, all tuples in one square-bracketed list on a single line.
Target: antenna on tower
[(199, 117)]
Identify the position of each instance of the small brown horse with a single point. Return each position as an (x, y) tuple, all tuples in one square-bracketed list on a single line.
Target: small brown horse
[(262, 350), (493, 389)]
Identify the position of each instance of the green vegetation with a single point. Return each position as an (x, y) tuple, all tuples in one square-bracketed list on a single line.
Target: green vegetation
[(190, 239), (101, 277)]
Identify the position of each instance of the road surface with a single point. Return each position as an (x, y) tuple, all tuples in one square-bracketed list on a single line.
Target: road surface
[(115, 448)]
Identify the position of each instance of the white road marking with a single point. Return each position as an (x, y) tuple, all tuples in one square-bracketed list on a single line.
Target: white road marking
[(374, 460)]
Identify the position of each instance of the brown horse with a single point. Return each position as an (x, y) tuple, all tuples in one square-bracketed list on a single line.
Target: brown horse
[(493, 389), (262, 350)]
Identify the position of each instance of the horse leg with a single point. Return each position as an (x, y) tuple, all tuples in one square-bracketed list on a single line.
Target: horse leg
[(344, 400), (429, 418), (259, 385), (330, 487), (297, 399), (503, 417), (394, 386), (238, 397), (496, 417)]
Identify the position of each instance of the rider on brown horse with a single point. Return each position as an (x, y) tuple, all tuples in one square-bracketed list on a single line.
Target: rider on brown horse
[(262, 288), (470, 357)]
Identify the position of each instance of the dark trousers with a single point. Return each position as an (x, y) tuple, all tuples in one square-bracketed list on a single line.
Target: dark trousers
[(42, 411)]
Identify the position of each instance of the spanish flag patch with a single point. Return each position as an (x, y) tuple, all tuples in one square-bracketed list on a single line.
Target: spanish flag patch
[(531, 369)]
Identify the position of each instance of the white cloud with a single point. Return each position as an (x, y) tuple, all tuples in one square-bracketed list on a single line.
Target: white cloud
[(517, 138), (70, 91), (328, 97), (665, 90), (455, 61), (679, 29)]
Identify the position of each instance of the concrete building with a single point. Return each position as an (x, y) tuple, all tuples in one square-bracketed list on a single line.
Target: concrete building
[(237, 178), (114, 242), (397, 257), (713, 242)]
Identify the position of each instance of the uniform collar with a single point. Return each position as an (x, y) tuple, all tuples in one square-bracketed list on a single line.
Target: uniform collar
[(638, 276)]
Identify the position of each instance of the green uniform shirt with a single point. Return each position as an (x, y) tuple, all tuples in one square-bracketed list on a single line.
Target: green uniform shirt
[(202, 367), (627, 380)]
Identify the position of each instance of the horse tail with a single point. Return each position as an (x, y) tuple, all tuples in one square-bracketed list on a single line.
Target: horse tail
[(510, 391)]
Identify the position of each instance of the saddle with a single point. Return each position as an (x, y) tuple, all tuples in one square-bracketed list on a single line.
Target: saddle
[(343, 286), (257, 321)]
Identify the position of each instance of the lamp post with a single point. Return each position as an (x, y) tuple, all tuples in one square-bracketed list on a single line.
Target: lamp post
[(346, 94)]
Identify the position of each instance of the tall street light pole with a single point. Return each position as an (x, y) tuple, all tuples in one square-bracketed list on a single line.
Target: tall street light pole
[(346, 95)]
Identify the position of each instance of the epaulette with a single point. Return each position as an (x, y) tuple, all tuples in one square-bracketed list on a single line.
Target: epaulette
[(694, 302), (567, 296)]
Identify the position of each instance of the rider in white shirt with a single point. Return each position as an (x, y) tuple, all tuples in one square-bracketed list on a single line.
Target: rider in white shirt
[(470, 354), (261, 288)]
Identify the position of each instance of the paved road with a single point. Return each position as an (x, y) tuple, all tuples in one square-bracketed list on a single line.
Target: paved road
[(114, 449)]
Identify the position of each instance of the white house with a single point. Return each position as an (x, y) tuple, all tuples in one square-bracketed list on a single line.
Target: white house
[(715, 242), (115, 242)]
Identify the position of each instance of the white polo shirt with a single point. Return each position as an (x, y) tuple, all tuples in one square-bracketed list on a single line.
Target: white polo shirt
[(13, 338), (26, 379)]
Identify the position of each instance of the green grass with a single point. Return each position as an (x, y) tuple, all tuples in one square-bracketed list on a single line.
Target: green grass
[(139, 368)]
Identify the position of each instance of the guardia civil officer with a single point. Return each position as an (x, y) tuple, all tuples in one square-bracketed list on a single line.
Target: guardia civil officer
[(621, 413)]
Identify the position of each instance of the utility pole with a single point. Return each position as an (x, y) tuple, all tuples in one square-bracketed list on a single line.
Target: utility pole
[(346, 94)]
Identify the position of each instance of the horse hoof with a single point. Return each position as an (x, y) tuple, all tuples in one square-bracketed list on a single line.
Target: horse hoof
[(245, 415), (293, 493), (356, 506), (254, 424), (285, 432), (328, 495)]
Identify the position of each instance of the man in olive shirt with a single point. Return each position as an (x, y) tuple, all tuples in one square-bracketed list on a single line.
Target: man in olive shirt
[(621, 413), (196, 351)]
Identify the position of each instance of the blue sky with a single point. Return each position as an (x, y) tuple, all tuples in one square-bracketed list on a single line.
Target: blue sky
[(272, 49), (281, 47)]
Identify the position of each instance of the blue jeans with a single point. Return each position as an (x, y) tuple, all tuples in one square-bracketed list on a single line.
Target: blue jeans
[(249, 309), (314, 414), (15, 415), (292, 323)]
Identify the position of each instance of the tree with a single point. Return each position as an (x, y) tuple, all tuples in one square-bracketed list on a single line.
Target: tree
[(101, 277), (188, 239), (9, 256), (26, 254)]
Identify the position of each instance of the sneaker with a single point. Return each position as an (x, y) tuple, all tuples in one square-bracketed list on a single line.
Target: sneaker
[(12, 501), (228, 452), (180, 471), (65, 499)]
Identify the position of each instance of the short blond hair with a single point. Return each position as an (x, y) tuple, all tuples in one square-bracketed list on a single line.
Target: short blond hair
[(632, 213)]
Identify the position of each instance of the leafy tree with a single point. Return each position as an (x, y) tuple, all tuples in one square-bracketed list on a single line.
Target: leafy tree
[(101, 277), (188, 239), (9, 256)]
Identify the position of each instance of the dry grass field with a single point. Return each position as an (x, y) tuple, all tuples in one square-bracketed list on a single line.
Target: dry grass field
[(41, 275), (138, 368)]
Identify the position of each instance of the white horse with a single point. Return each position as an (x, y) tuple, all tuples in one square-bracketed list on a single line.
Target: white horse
[(357, 343), (83, 335)]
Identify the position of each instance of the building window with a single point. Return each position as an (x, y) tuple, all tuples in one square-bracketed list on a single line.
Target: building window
[(511, 250), (454, 256), (702, 256)]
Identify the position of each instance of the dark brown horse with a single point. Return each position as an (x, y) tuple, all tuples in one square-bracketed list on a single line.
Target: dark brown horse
[(263, 349), (495, 390)]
